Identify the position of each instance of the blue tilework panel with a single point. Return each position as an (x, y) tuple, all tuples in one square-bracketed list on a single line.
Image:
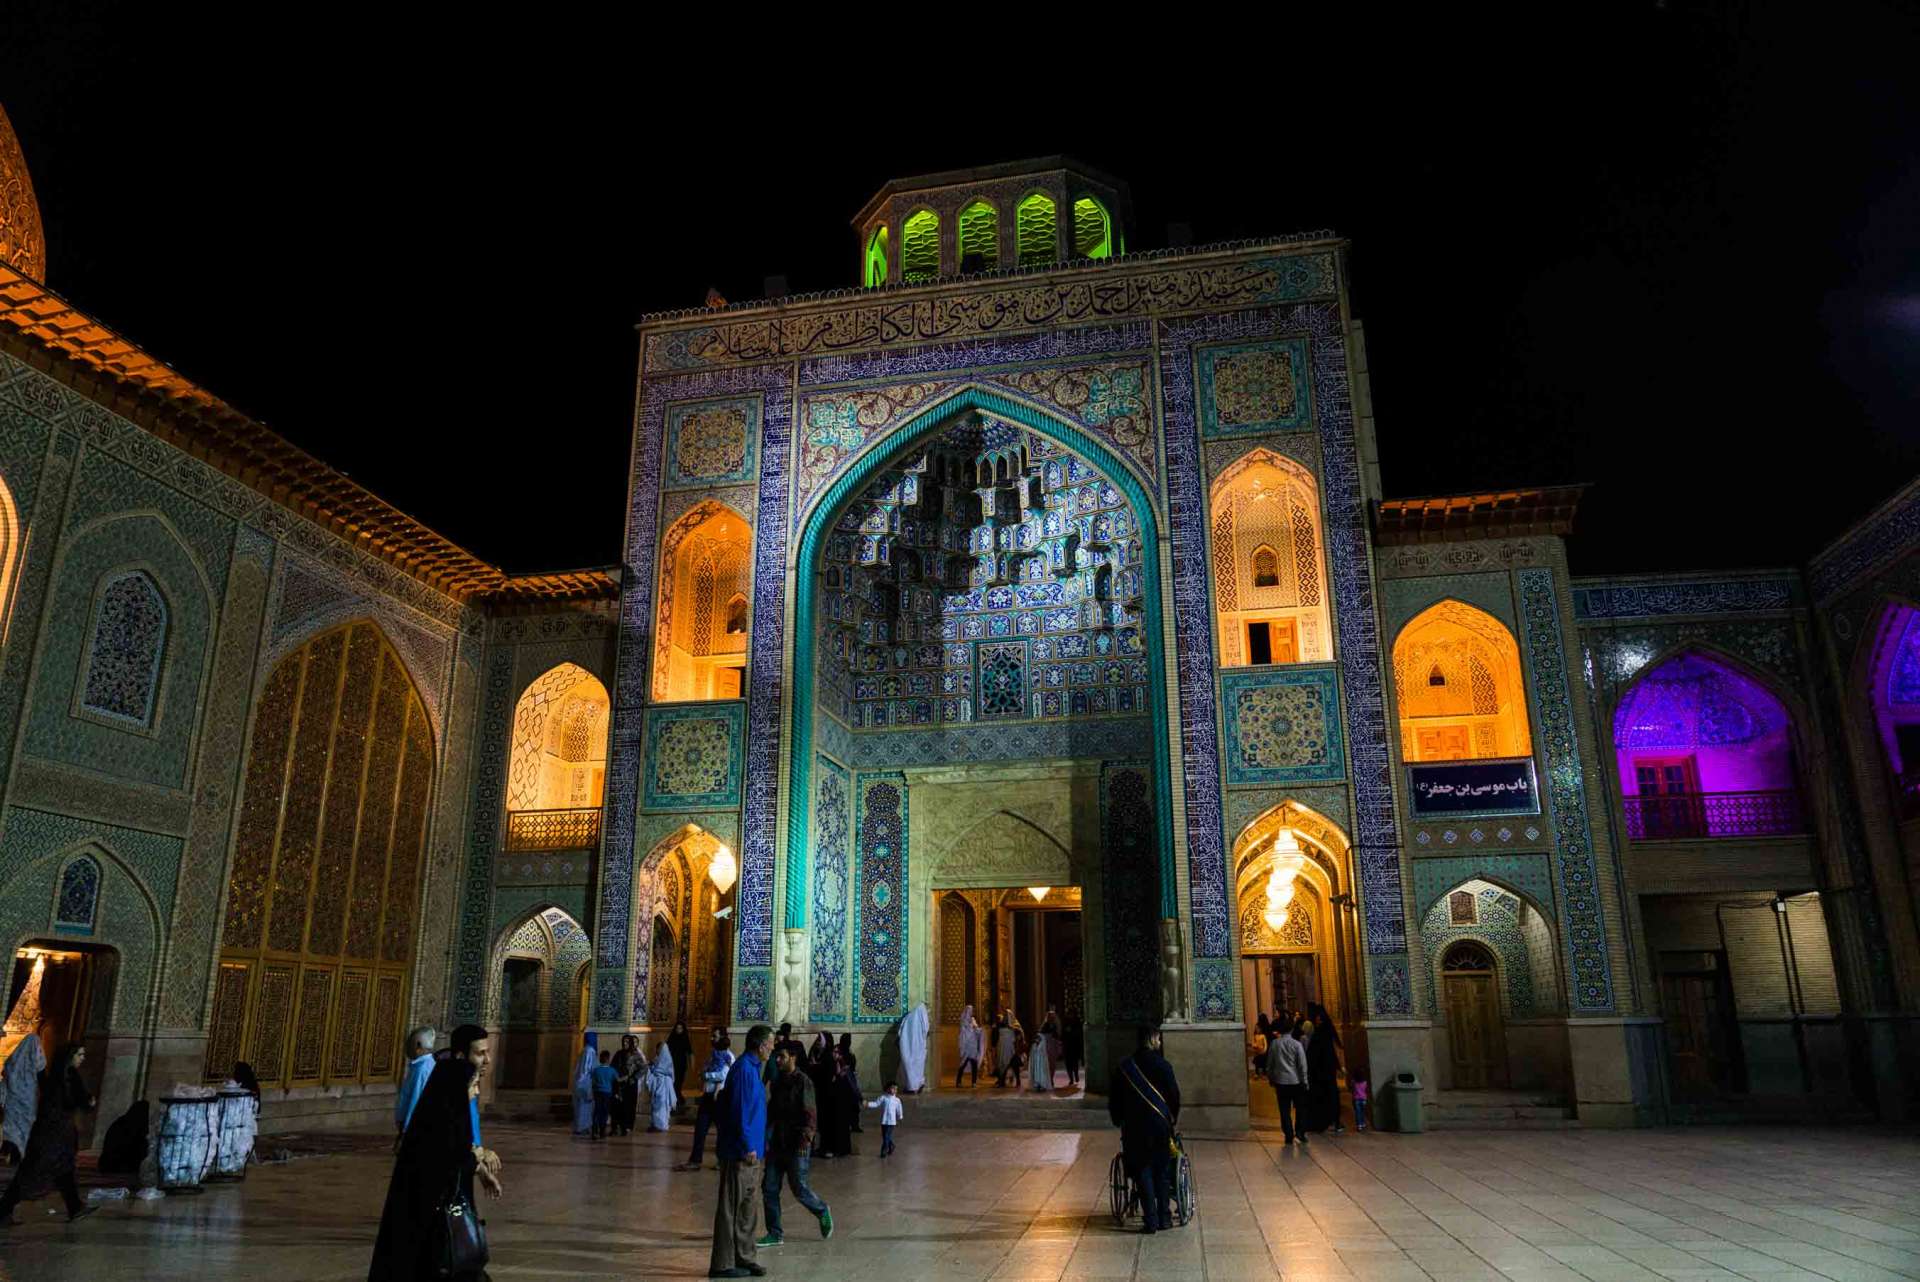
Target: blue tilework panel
[(1130, 892), (1250, 388), (712, 442), (1392, 984), (694, 756), (1282, 725), (1375, 825), (1530, 874), (476, 927), (1617, 600), (1583, 923), (1000, 678), (828, 991), (1213, 987), (880, 898)]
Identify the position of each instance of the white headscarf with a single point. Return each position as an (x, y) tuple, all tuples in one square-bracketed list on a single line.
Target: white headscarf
[(20, 1089), (913, 1048), (972, 1040)]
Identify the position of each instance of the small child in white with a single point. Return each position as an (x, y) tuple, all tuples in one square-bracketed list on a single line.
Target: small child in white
[(891, 1110)]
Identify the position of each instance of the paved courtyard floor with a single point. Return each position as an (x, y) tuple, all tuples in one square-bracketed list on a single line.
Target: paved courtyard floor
[(1766, 1204)]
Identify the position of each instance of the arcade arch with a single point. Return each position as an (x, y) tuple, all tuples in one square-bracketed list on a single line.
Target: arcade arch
[(1296, 938), (1457, 682)]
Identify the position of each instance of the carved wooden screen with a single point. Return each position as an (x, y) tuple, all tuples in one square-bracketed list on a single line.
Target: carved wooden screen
[(321, 905)]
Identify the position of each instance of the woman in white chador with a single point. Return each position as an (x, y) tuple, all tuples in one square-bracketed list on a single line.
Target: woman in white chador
[(20, 1085), (913, 1049), (1039, 1067), (663, 1090), (583, 1084), (973, 1045)]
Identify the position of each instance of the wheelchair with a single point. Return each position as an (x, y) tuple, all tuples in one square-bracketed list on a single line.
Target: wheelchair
[(1126, 1194)]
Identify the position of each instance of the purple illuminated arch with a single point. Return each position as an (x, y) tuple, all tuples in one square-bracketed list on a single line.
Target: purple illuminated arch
[(1895, 690), (1705, 751)]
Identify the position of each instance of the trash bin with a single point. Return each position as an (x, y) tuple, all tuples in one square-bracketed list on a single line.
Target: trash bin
[(1408, 1116)]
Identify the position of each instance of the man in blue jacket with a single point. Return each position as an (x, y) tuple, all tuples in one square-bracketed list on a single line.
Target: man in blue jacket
[(741, 1118)]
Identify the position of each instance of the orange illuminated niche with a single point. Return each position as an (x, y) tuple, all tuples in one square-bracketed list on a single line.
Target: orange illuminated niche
[(1456, 677), (700, 642), (1269, 574)]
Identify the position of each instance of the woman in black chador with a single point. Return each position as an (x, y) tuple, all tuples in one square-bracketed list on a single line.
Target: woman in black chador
[(1323, 1072), (437, 1160), (55, 1140)]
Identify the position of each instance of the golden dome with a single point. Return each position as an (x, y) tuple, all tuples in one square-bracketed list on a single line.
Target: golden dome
[(23, 243)]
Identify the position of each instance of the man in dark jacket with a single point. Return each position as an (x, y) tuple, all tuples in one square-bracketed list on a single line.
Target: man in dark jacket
[(792, 1119), (741, 1118), (1145, 1105)]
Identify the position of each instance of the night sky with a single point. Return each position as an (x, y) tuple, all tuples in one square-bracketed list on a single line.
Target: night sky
[(1672, 255)]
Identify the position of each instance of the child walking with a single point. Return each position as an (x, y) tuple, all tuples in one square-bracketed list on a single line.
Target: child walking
[(891, 1110), (603, 1079), (1359, 1103)]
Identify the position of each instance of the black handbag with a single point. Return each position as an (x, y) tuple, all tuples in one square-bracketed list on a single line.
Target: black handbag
[(462, 1246)]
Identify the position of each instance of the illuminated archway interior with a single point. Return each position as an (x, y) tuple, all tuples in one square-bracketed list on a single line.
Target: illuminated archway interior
[(691, 878), (706, 567), (1290, 876), (1456, 678), (1704, 751), (559, 757), (1269, 574), (539, 963)]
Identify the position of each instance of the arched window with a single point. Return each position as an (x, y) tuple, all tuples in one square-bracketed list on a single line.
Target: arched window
[(705, 563), (1704, 751), (556, 774), (1467, 955), (1456, 675), (1269, 573), (79, 904), (1036, 228), (920, 246), (980, 235), (876, 269), (125, 650), (1092, 229), (317, 954), (1894, 692), (10, 541)]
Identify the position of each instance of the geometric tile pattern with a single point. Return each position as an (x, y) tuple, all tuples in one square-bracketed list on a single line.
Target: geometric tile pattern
[(1881, 539), (1252, 388), (694, 756), (124, 652), (1582, 922), (1282, 725), (1497, 925), (827, 992), (79, 902), (1530, 874), (483, 827), (712, 442), (880, 898)]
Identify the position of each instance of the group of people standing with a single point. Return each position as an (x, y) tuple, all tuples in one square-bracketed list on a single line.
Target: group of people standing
[(606, 1084), (1017, 1056), (40, 1131), (1302, 1062)]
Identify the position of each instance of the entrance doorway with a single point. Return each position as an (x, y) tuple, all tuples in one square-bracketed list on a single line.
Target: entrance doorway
[(520, 1023), (1016, 949), (51, 992), (1698, 1002), (1471, 1001)]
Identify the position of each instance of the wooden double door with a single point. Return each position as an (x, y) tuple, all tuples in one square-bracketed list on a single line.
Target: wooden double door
[(1475, 1037)]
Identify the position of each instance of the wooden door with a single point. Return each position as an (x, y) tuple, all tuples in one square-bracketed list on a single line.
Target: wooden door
[(1472, 1031), (1699, 1033)]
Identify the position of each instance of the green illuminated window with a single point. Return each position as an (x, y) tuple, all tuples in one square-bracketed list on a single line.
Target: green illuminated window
[(980, 233), (920, 247), (1034, 226), (1092, 229), (877, 258)]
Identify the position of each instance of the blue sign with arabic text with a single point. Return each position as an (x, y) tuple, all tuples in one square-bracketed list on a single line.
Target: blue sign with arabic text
[(1468, 789)]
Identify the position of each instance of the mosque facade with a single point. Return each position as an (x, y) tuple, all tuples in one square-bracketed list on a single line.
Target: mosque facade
[(1025, 629)]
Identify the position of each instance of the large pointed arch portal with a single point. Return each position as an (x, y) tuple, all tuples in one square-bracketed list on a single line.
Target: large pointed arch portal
[(820, 523)]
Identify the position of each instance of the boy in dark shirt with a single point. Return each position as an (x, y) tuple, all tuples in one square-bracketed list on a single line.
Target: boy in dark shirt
[(603, 1080)]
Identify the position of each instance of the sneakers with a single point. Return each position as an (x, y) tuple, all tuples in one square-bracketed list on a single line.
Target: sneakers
[(826, 1222), (771, 1239)]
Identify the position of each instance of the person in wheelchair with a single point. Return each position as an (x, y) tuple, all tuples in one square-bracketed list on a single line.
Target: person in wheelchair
[(1145, 1105)]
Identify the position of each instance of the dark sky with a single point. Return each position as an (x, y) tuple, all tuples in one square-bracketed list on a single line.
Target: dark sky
[(1675, 255)]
